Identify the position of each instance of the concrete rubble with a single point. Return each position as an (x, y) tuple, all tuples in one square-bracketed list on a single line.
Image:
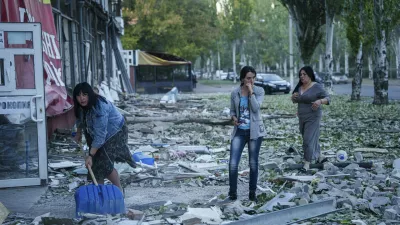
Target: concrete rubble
[(188, 138)]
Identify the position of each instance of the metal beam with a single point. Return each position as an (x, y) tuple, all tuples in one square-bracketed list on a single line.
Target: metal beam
[(290, 215)]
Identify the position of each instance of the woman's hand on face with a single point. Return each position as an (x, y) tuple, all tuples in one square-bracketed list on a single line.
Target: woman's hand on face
[(316, 104), (88, 161), (249, 88)]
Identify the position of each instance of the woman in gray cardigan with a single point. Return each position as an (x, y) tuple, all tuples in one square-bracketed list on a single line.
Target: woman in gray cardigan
[(248, 129)]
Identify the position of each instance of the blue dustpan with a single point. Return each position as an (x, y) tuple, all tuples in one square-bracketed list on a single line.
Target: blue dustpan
[(99, 199)]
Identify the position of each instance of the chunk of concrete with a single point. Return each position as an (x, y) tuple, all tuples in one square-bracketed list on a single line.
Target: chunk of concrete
[(3, 213), (390, 214), (379, 201), (269, 165), (134, 214), (358, 222), (191, 221), (368, 193), (358, 156), (279, 198), (374, 150), (207, 215), (396, 164)]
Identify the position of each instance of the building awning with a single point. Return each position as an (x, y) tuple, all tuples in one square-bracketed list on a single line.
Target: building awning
[(159, 59)]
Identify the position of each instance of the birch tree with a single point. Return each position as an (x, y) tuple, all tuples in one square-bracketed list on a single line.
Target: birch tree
[(395, 40), (358, 27), (386, 17), (332, 8), (355, 28)]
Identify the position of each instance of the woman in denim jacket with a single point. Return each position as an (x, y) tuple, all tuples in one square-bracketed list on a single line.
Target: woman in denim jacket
[(105, 131), (248, 128)]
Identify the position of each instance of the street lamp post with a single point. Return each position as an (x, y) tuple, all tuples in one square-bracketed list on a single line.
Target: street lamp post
[(291, 72), (291, 49)]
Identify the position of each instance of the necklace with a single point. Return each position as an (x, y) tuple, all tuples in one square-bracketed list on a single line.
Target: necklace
[(306, 87)]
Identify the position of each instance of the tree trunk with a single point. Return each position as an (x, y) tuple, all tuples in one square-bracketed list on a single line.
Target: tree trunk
[(234, 60), (381, 82), (212, 69), (398, 58), (357, 80), (291, 50), (328, 52), (346, 63), (370, 70), (397, 67), (338, 64), (219, 61), (321, 63), (285, 67), (202, 65)]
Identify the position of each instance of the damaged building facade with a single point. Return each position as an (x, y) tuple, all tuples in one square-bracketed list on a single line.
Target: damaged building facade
[(46, 48)]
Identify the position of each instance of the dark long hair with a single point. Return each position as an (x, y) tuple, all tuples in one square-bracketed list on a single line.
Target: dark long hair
[(86, 89), (310, 72), (244, 71)]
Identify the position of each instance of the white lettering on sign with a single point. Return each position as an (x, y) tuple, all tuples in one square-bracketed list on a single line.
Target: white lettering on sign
[(53, 73), (15, 105)]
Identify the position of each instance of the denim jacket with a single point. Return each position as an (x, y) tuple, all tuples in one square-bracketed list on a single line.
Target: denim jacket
[(102, 122), (257, 128)]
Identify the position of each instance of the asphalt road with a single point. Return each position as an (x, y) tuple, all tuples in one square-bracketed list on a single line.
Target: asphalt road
[(367, 90)]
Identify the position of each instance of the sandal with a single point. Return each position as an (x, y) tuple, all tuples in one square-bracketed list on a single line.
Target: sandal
[(324, 160), (303, 170), (306, 167)]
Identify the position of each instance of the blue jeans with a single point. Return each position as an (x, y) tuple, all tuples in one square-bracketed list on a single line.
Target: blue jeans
[(237, 145)]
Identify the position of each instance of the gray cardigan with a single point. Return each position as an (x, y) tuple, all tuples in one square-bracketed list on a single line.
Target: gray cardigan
[(257, 128)]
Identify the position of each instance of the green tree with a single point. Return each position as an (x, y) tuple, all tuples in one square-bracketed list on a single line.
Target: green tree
[(235, 20), (308, 17), (184, 28), (386, 17), (358, 27)]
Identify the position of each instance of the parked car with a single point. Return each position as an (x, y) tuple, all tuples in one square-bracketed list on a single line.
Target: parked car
[(272, 83), (338, 78), (223, 75), (318, 78), (231, 76)]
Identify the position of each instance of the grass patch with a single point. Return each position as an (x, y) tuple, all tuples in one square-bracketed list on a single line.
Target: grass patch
[(216, 82)]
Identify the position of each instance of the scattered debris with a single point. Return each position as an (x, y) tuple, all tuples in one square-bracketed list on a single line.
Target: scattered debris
[(3, 213)]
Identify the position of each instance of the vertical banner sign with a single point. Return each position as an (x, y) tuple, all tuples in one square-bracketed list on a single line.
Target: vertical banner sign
[(1, 39), (41, 11)]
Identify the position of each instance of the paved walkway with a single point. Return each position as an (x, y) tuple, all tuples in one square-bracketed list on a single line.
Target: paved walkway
[(21, 199)]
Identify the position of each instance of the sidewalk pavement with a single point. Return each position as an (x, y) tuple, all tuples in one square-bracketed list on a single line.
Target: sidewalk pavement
[(22, 199)]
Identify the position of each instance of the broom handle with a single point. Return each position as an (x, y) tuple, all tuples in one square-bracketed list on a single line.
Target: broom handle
[(92, 175), (89, 168)]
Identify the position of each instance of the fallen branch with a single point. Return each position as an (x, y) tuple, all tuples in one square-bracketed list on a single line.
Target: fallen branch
[(177, 120), (366, 165)]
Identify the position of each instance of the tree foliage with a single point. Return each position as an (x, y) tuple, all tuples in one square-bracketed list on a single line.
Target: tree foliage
[(308, 17), (184, 28)]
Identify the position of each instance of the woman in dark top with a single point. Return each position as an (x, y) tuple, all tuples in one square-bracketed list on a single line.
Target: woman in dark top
[(105, 132), (310, 95)]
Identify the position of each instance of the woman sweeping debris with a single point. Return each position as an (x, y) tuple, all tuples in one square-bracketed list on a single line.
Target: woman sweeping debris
[(105, 131), (249, 128), (310, 96)]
